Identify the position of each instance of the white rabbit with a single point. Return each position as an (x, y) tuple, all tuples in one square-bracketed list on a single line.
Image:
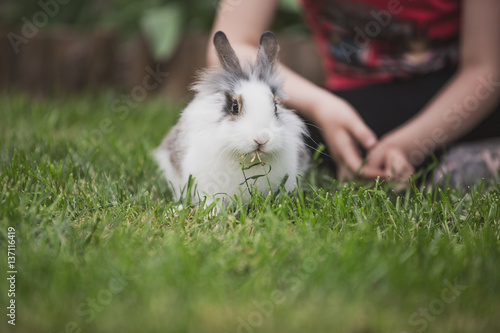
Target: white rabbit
[(235, 117)]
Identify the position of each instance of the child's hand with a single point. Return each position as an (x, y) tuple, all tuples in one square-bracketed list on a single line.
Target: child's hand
[(344, 131), (392, 160)]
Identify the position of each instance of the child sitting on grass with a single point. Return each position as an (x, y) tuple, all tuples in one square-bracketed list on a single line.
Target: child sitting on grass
[(404, 80)]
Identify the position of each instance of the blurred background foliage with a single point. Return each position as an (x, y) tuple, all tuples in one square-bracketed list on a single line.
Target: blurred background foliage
[(162, 22)]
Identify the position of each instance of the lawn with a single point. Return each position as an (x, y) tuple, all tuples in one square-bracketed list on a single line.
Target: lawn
[(100, 247)]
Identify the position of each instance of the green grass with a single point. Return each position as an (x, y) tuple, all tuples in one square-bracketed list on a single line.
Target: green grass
[(100, 248)]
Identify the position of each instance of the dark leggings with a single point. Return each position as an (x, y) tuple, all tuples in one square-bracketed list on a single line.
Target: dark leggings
[(386, 106)]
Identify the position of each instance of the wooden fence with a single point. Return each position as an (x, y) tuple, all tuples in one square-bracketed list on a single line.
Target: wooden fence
[(66, 61)]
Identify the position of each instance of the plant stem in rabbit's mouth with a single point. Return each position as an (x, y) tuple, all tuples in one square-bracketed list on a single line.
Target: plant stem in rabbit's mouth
[(258, 156), (255, 155)]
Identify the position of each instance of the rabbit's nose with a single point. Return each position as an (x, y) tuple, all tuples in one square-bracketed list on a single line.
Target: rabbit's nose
[(262, 138), (259, 142)]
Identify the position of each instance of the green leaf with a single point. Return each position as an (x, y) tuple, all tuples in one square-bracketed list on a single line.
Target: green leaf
[(162, 28), (290, 5)]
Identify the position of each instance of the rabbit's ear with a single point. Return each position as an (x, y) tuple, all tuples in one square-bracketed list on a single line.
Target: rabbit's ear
[(226, 54), (268, 50)]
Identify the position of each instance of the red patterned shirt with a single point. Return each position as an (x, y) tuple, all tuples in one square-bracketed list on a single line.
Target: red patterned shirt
[(365, 42)]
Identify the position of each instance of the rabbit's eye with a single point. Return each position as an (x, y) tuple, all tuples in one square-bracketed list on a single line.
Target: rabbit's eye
[(236, 107), (275, 106)]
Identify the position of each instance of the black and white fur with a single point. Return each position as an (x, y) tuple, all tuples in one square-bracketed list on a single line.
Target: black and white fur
[(235, 112)]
